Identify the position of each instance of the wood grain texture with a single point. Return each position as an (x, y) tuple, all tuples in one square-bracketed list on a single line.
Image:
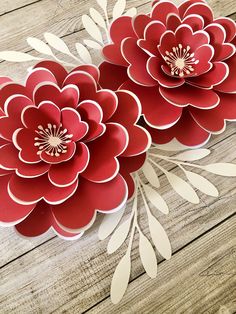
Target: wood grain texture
[(46, 275)]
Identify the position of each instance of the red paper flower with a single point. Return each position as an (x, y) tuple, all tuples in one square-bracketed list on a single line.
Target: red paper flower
[(67, 150), (180, 62)]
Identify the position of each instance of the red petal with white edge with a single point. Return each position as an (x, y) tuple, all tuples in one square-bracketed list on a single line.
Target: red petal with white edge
[(204, 54), (214, 120), (190, 95), (64, 234), (107, 100), (36, 77), (196, 22), (78, 213), (66, 174), (172, 22), (215, 76), (201, 9), (4, 80), (70, 151), (122, 28), (71, 120), (156, 110), (137, 58), (127, 114), (129, 165), (154, 68), (56, 69), (184, 35), (11, 89), (112, 53), (186, 131), (185, 5), (9, 160), (111, 144), (66, 97), (11, 212), (140, 22), (91, 112), (162, 9), (38, 222), (108, 80), (229, 26), (37, 189), (24, 140), (46, 113), (12, 121), (229, 84), (85, 83), (152, 35), (90, 69)]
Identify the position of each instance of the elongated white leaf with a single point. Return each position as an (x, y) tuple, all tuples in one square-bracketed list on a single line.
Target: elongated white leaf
[(182, 188), (192, 155), (131, 12), (155, 198), (151, 175), (83, 53), (102, 4), (39, 46), (159, 237), (109, 223), (222, 169), (202, 184), (120, 279), (15, 56), (118, 237), (98, 18), (119, 8), (92, 44), (57, 43), (91, 28), (148, 256)]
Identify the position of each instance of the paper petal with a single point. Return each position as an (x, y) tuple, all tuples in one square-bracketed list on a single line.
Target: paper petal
[(148, 256), (202, 184)]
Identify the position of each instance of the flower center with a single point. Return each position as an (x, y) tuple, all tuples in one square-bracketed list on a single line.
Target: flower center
[(181, 61), (52, 140)]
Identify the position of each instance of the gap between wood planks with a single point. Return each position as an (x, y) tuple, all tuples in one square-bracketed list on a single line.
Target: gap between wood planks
[(20, 7)]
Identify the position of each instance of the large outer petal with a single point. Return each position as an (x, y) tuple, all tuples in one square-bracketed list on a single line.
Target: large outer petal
[(79, 212), (10, 211), (112, 76)]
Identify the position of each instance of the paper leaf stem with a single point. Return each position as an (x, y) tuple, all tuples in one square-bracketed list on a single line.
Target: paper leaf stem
[(109, 223), (39, 46), (15, 56), (148, 256), (182, 188), (91, 28), (155, 198), (120, 279), (83, 53), (159, 237), (98, 18), (102, 4), (202, 184), (192, 155), (119, 9), (57, 43), (151, 175), (118, 237), (92, 44)]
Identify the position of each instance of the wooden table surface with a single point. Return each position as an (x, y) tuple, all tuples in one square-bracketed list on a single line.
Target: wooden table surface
[(49, 275)]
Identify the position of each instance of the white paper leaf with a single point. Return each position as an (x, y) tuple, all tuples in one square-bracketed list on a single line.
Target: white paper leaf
[(109, 223), (120, 279), (148, 256), (192, 155), (131, 12), (92, 44), (91, 28), (102, 4), (15, 56), (83, 53), (57, 43), (119, 8), (118, 237), (39, 46), (182, 188), (155, 198), (159, 237), (202, 184), (151, 175), (222, 169), (98, 18)]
